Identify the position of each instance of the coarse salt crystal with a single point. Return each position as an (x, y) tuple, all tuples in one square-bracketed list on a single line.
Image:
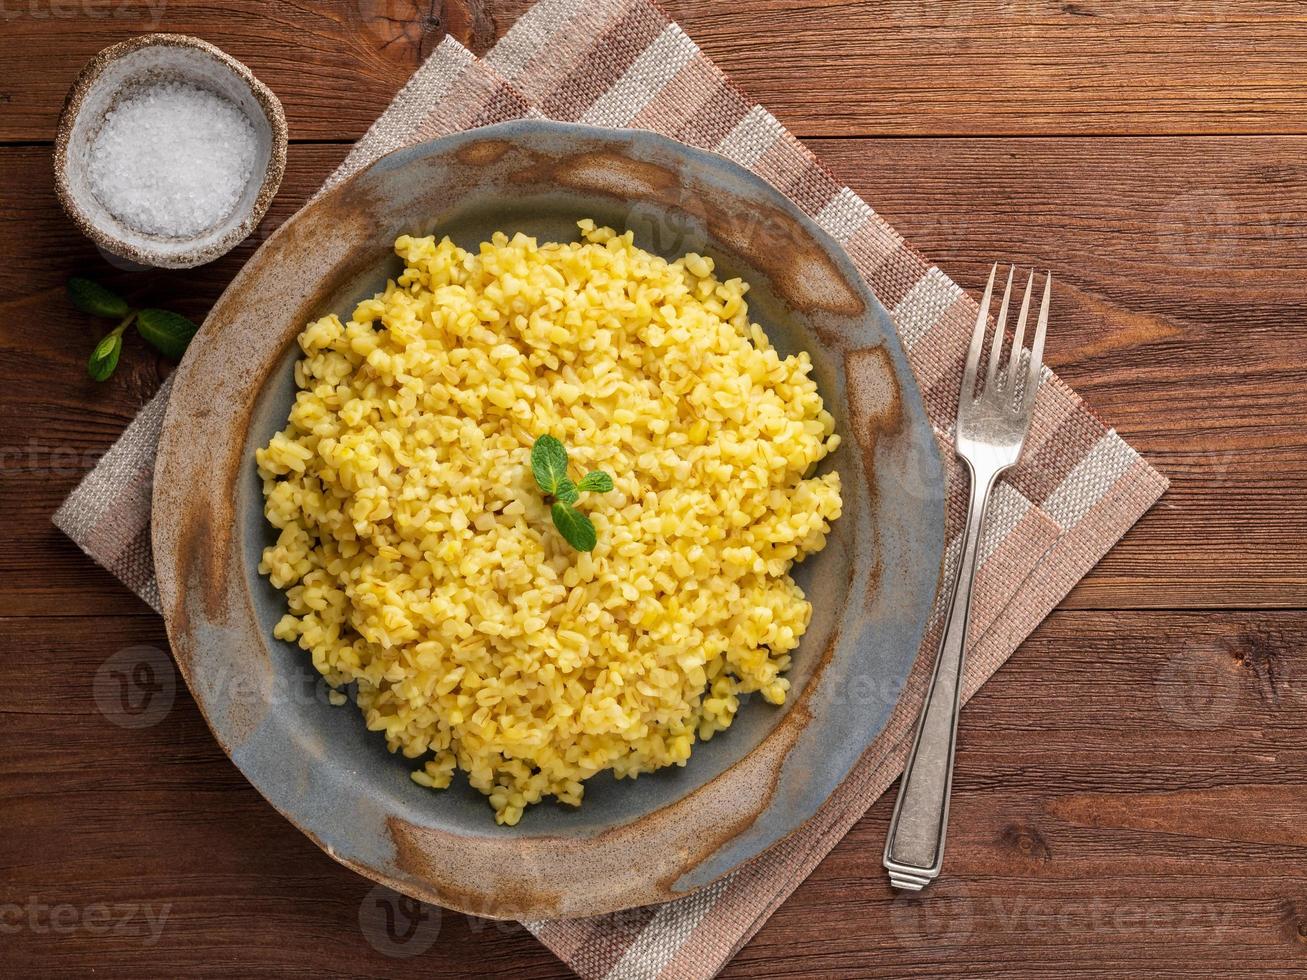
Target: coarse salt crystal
[(173, 159)]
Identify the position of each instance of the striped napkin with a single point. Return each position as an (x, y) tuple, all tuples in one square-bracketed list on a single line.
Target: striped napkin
[(1078, 488)]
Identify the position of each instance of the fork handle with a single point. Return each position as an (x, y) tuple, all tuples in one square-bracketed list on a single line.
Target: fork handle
[(914, 849)]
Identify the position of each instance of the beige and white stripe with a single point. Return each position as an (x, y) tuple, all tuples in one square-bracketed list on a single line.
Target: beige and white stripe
[(656, 65)]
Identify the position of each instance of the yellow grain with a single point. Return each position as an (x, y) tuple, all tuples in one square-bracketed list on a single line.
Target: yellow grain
[(419, 559)]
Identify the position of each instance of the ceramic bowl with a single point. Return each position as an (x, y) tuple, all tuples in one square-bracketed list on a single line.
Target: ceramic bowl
[(632, 842), (123, 69)]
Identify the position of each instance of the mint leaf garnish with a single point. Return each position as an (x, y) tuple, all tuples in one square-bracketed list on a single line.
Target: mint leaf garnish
[(549, 465), (596, 481), (165, 331), (567, 492), (90, 297), (575, 527), (104, 359)]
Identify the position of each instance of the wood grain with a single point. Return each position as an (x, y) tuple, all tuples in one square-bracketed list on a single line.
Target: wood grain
[(55, 423), (155, 819), (1123, 806), (1159, 836), (1130, 786), (971, 67), (1178, 317)]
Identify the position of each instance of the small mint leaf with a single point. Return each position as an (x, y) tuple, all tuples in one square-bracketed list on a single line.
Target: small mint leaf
[(596, 481), (90, 297), (574, 526), (549, 464), (165, 331), (567, 492), (104, 359)]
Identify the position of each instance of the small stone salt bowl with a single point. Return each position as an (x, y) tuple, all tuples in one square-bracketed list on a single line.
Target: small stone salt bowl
[(124, 70)]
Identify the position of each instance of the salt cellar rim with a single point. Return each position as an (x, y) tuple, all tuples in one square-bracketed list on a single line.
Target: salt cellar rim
[(157, 251)]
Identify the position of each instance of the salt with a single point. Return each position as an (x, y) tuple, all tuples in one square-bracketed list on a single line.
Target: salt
[(172, 159)]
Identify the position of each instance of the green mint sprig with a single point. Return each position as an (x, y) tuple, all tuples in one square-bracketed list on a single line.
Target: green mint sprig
[(549, 464), (165, 331)]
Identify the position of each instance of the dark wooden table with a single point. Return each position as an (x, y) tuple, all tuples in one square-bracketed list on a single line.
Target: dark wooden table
[(1131, 791)]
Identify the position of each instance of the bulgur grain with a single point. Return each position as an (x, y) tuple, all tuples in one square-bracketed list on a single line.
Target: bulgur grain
[(419, 561)]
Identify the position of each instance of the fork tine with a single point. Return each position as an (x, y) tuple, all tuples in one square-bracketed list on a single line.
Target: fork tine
[(977, 342), (996, 346), (1014, 359), (1037, 346)]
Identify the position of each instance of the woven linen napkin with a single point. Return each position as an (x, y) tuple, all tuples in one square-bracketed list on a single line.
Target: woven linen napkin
[(1079, 486)]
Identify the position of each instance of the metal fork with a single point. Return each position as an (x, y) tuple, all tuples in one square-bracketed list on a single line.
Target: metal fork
[(991, 429)]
